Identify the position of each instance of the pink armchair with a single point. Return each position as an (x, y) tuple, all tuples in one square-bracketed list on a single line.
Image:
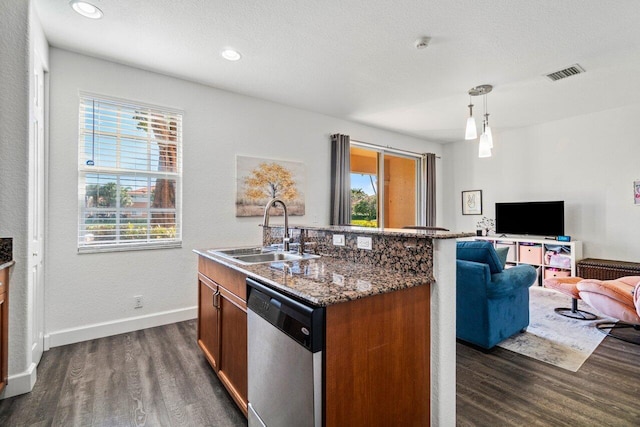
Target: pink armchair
[(618, 298)]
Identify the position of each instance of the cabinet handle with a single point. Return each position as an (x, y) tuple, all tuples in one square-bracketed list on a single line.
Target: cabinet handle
[(216, 299)]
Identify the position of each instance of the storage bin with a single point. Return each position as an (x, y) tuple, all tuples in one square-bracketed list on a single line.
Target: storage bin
[(555, 272), (559, 260), (530, 254)]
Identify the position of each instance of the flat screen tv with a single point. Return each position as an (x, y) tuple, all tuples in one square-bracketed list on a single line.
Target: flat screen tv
[(535, 218)]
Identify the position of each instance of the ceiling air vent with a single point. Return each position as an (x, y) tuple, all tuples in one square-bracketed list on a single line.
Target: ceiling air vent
[(565, 72)]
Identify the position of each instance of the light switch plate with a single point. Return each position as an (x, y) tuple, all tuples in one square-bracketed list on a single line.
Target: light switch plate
[(364, 243), (338, 239), (338, 279)]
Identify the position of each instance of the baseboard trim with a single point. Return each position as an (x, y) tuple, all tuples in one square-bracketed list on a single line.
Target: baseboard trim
[(20, 383), (121, 326)]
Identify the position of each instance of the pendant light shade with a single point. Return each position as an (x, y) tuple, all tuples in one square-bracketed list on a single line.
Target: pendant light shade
[(484, 150), (471, 132), (487, 131)]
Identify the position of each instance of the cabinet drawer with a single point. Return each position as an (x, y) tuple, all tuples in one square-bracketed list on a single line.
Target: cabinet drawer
[(530, 254), (550, 273), (232, 280)]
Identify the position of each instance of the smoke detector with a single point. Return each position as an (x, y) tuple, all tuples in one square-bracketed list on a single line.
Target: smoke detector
[(422, 42)]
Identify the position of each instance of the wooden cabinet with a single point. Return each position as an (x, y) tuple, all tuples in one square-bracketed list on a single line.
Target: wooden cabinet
[(377, 360), (222, 325), (4, 324), (208, 329)]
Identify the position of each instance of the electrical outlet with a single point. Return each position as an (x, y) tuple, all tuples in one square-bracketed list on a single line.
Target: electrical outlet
[(138, 301), (338, 239), (338, 279), (363, 285), (364, 243)]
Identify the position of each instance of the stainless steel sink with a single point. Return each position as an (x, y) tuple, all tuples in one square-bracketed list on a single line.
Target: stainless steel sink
[(268, 257), (260, 255), (241, 251)]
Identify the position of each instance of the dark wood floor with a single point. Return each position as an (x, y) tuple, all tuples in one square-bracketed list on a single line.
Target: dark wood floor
[(153, 377), (503, 388), (158, 377)]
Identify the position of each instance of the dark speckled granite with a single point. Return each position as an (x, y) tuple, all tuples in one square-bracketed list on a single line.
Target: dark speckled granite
[(398, 259), (327, 280), (6, 249), (404, 250)]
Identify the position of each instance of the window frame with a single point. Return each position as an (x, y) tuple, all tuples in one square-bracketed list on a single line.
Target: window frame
[(420, 196), (121, 173)]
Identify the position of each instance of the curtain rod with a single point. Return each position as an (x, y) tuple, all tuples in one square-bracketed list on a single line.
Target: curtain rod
[(390, 148)]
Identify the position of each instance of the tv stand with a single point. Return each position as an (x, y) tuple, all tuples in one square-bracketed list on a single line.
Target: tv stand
[(551, 258)]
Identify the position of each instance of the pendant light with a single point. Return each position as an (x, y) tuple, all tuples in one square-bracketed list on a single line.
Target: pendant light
[(471, 132), (486, 127), (486, 138), (484, 148)]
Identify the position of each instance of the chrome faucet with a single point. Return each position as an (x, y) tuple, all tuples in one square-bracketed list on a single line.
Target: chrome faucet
[(265, 223)]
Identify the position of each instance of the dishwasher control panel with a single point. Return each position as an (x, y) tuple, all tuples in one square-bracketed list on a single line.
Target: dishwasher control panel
[(301, 322)]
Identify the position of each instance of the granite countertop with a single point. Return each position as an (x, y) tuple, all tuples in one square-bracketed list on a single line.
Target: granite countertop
[(400, 232), (7, 264), (326, 280)]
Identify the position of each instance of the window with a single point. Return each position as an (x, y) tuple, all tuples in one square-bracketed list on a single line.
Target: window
[(130, 175), (386, 188)]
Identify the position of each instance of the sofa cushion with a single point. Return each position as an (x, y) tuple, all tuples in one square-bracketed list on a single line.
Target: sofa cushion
[(502, 255), (479, 251)]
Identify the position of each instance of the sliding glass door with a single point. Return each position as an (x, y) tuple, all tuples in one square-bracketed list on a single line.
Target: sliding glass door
[(386, 188)]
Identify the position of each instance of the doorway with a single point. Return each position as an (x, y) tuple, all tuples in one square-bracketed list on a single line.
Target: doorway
[(386, 190), (37, 172)]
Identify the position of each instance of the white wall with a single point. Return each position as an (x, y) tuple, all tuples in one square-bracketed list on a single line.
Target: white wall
[(20, 37), (589, 161), (14, 155), (83, 290)]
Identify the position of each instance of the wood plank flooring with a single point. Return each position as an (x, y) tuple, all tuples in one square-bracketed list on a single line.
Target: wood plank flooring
[(158, 377), (153, 377), (503, 388)]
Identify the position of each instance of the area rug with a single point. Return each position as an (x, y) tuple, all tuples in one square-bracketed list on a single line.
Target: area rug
[(555, 339)]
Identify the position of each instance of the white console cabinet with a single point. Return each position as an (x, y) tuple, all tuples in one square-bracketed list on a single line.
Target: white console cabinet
[(551, 258)]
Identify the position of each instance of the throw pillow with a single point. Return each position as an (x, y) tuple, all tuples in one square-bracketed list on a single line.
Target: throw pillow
[(479, 251), (502, 255)]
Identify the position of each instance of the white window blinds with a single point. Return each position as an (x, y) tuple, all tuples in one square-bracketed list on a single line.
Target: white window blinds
[(130, 175)]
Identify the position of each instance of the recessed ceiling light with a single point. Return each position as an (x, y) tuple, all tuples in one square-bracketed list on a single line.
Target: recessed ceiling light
[(86, 9), (231, 55)]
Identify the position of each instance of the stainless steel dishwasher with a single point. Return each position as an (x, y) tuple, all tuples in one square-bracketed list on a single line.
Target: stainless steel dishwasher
[(285, 342)]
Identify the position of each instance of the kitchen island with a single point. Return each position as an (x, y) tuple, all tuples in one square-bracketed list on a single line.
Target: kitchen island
[(390, 326)]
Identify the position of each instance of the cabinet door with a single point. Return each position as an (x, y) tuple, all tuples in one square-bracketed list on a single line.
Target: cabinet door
[(209, 320), (4, 351), (233, 347), (4, 327)]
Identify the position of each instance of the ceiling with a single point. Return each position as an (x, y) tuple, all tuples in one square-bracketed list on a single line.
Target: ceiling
[(356, 59)]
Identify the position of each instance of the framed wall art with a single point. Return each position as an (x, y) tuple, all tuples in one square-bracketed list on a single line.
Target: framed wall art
[(259, 180), (472, 202)]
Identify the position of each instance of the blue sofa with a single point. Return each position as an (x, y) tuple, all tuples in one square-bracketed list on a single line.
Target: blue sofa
[(492, 302)]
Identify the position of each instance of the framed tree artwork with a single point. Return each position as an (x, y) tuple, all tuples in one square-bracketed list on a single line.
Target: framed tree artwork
[(472, 202), (259, 180)]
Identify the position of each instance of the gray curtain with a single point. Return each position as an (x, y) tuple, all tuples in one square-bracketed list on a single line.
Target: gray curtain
[(340, 180), (430, 167)]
